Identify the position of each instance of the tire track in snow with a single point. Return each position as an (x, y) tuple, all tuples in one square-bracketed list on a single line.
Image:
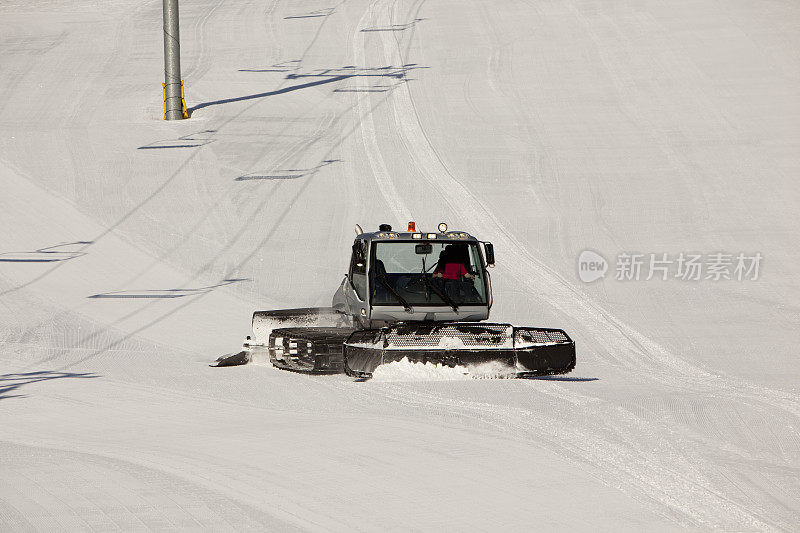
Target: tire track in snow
[(626, 450), (369, 136), (201, 65), (97, 491), (255, 214), (638, 351), (104, 330)]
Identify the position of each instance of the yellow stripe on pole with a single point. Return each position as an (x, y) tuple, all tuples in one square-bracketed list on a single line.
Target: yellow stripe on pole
[(183, 103)]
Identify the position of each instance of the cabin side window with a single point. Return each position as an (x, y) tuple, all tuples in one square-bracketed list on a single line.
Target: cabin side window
[(358, 269)]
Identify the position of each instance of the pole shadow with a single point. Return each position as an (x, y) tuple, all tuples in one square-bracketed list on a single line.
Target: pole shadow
[(51, 254), (265, 94), (13, 382), (166, 293), (327, 75)]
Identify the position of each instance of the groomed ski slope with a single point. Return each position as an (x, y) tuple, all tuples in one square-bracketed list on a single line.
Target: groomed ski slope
[(134, 251)]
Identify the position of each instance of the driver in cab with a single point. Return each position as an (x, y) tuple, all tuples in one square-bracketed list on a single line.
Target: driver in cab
[(451, 264)]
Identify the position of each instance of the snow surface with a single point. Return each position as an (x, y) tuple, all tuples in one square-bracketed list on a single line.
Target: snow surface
[(405, 370), (546, 127)]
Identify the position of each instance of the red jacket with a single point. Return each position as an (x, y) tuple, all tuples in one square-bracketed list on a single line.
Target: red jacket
[(453, 271)]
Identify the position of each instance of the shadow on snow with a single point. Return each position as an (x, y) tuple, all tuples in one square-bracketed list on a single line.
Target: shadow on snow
[(312, 14), (193, 140), (13, 382), (166, 293), (324, 76), (51, 254), (286, 174)]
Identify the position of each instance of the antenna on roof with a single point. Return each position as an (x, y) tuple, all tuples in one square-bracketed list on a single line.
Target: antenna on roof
[(359, 231)]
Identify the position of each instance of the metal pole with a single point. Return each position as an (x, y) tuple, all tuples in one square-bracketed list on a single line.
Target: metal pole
[(172, 61)]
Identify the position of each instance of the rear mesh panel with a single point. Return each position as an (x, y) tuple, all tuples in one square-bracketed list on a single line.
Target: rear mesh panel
[(557, 336), (538, 336), (451, 337)]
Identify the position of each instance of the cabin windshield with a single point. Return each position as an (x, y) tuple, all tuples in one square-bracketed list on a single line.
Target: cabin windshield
[(427, 273)]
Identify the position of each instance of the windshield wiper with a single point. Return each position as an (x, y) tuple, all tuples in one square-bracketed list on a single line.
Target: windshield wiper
[(406, 305), (445, 298)]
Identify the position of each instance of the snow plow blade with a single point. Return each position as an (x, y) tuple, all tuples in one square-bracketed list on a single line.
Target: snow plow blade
[(233, 359), (526, 351), (264, 322)]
